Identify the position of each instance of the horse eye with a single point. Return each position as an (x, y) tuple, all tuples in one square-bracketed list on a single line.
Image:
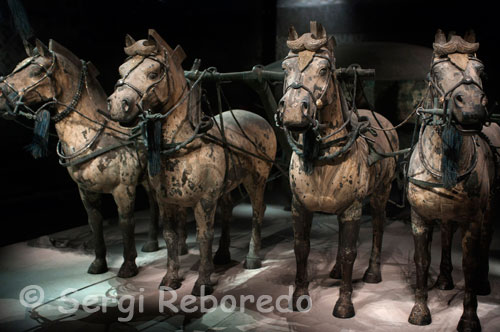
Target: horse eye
[(36, 72), (322, 71), (153, 75)]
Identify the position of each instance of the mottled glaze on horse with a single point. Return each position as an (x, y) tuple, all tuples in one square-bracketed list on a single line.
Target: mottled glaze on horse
[(466, 202), (117, 172), (337, 186), (198, 175)]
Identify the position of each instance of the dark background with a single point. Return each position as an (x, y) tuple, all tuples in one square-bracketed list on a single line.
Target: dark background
[(38, 197)]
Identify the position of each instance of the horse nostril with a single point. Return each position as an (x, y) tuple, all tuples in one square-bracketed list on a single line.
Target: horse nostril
[(305, 105), (125, 105)]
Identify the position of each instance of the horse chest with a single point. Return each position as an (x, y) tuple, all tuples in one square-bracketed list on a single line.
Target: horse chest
[(330, 188)]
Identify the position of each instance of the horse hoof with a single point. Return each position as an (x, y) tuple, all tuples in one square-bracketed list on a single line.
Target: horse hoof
[(222, 257), (183, 250), (252, 263), (128, 270), (336, 273), (301, 300), (343, 309), (98, 266), (444, 282), (150, 246), (202, 290), (469, 325), (420, 315), (483, 288), (170, 283), (372, 277)]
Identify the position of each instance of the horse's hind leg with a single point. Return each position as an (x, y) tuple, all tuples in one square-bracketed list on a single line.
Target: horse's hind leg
[(223, 256), (471, 234), (378, 201), (422, 236), (255, 189), (302, 220), (445, 280), (349, 222), (152, 242), (124, 197), (92, 203)]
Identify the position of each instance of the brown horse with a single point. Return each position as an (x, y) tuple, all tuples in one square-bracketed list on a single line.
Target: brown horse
[(99, 154), (330, 169), (452, 172), (200, 168)]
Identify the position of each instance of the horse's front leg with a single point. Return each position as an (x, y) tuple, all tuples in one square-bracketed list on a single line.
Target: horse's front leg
[(152, 242), (204, 213), (422, 236), (445, 280), (181, 221), (483, 284), (349, 227), (124, 197), (92, 203), (302, 220), (171, 236), (336, 272), (471, 235)]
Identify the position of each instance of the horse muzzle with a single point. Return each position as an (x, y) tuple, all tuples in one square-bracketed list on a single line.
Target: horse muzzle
[(293, 115)]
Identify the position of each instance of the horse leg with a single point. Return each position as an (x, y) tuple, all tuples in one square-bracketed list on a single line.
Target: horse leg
[(204, 213), (471, 234), (223, 256), (181, 221), (422, 236), (445, 280), (336, 272), (124, 197), (171, 236), (152, 242), (349, 226), (302, 219), (483, 284), (92, 203), (255, 189), (378, 201)]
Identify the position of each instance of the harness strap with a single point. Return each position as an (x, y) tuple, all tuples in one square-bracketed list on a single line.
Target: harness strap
[(94, 154)]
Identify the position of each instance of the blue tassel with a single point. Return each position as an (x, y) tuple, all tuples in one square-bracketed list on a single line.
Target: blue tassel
[(452, 143), (39, 145), (154, 147)]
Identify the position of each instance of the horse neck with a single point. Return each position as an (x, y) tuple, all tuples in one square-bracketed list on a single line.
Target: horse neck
[(75, 129), (432, 148), (332, 116), (176, 127)]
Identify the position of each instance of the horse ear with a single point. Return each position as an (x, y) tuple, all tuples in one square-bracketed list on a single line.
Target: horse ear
[(332, 43), (129, 40), (470, 36), (153, 35), (178, 55), (292, 33), (440, 38), (41, 48), (29, 48), (92, 70)]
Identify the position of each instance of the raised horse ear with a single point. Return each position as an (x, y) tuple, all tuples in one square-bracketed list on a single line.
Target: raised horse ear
[(129, 40), (93, 72), (332, 43), (28, 47), (179, 55), (317, 30), (292, 33), (41, 48), (154, 36), (439, 38)]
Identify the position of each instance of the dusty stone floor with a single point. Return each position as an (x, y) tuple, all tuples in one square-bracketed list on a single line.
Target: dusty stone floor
[(379, 307)]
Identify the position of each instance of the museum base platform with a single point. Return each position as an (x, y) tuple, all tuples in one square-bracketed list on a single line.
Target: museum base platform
[(379, 307)]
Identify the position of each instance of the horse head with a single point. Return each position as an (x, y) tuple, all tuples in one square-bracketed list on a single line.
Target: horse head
[(456, 77), (309, 78), (151, 78)]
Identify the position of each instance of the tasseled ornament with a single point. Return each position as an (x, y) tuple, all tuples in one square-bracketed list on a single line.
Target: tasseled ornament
[(311, 150), (154, 147), (39, 146), (452, 142)]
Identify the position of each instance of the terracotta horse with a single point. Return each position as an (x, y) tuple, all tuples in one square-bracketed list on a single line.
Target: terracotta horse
[(330, 170), (198, 168), (99, 154), (452, 172)]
